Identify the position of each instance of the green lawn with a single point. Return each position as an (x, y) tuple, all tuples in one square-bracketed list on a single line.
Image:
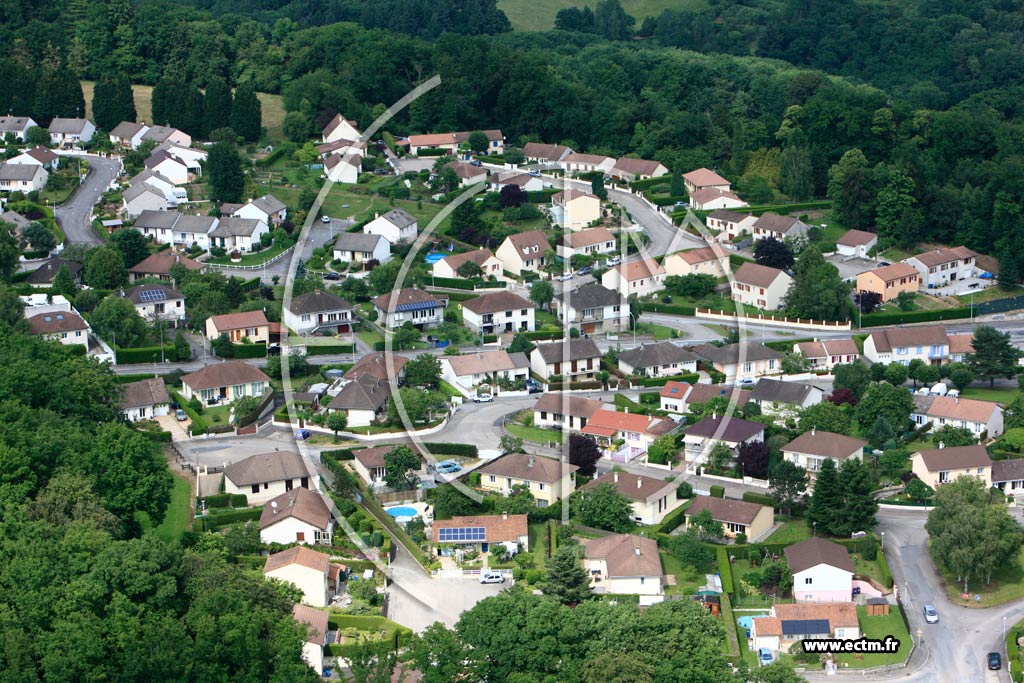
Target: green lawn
[(370, 336), (256, 259), (1007, 585), (217, 415), (893, 254), (999, 395), (862, 567), (790, 532), (526, 15), (343, 203), (688, 579), (879, 627), (535, 434), (538, 543), (177, 517), (659, 332)]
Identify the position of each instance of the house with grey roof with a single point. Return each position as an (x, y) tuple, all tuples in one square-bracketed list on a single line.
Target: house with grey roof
[(319, 311), (741, 361), (128, 134), (267, 208), (700, 438), (70, 132), (44, 274), (265, 476), (358, 247), (192, 230), (499, 312), (142, 197), (780, 227), (410, 304), (238, 234), (157, 224), (145, 399), (363, 400), (17, 126), (395, 226), (592, 308), (660, 359), (784, 399), (571, 359), (162, 134), (22, 178)]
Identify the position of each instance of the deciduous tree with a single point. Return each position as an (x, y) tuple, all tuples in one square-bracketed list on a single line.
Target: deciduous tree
[(603, 507), (773, 253), (788, 483), (883, 399)]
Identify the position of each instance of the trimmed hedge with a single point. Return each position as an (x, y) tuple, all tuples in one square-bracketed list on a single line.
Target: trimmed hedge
[(452, 283), (648, 183), (329, 349), (670, 309), (432, 152), (257, 350), (673, 520), (669, 200), (198, 425), (759, 498), (724, 568), (215, 521), (690, 378), (339, 454), (785, 345), (584, 385), (467, 450), (220, 500), (897, 317), (717, 491), (555, 335), (541, 196), (144, 354)]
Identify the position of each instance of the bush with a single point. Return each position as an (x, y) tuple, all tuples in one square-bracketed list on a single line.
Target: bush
[(258, 350), (741, 539), (339, 454), (684, 491), (441, 448), (759, 498), (239, 500), (869, 550), (717, 491), (532, 576), (221, 500)]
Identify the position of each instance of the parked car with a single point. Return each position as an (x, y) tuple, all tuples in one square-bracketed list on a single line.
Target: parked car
[(332, 276), (534, 174), (764, 656), (483, 398), (745, 382), (325, 219), (533, 386), (303, 434), (930, 615), (884, 263), (475, 163), (613, 261), (585, 270), (564, 276), (447, 468), (995, 661), (492, 577), (180, 415), (274, 350)]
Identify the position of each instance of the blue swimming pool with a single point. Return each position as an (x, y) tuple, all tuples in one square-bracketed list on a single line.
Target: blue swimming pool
[(402, 511), (434, 256)]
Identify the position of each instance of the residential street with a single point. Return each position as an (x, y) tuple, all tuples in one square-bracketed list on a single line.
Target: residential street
[(75, 215)]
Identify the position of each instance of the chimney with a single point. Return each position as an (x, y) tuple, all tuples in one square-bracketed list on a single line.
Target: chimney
[(813, 429), (714, 414), (639, 485), (504, 516), (376, 214), (637, 551), (531, 462), (615, 477), (627, 410), (942, 444)]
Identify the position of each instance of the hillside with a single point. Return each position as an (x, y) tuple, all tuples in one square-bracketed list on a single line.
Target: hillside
[(530, 15)]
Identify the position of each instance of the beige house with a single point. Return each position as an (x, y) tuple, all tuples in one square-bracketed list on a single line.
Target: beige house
[(469, 370), (828, 353), (539, 151), (574, 360), (587, 163), (296, 516), (736, 516), (760, 286), (564, 411), (709, 199), (481, 533), (499, 312), (145, 400), (889, 281), (265, 476), (703, 261), (523, 251), (630, 169), (547, 479), (67, 327), (624, 564), (651, 499), (315, 621), (705, 178), (641, 278), (468, 174), (742, 361), (363, 400), (574, 209), (252, 325), (304, 568), (591, 242), (811, 449), (488, 263), (224, 382), (927, 343), (939, 466), (22, 178)]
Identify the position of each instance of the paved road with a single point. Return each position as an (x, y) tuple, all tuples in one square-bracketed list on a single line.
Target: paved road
[(75, 215)]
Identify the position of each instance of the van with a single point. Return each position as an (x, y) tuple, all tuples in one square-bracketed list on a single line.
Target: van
[(492, 577), (939, 389)]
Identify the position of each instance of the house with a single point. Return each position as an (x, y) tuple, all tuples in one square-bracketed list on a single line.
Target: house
[(780, 227), (468, 173), (574, 209), (573, 360), (811, 449), (942, 465), (268, 209), (70, 132), (145, 399), (343, 168), (128, 134), (363, 400), (37, 156), (22, 178), (547, 479), (889, 282), (651, 499), (319, 311), (629, 169), (296, 516), (700, 438), (193, 231), (377, 365), (155, 302), (159, 266), (395, 226), (704, 178), (592, 309), (741, 361), (305, 568), (140, 198), (169, 166), (544, 153), (156, 224), (784, 399), (702, 261), (358, 247), (939, 267), (65, 326), (591, 242), (624, 564), (856, 243), (984, 419), (827, 353), (471, 369), (486, 261), (48, 269), (523, 251), (524, 181), (640, 278), (760, 286), (1008, 476), (251, 325), (233, 233), (626, 436), (499, 312), (789, 624), (192, 158), (928, 343), (564, 411), (660, 359), (495, 140), (340, 128), (736, 516), (265, 476), (432, 141), (709, 199), (960, 346), (409, 304), (587, 163), (371, 463), (317, 628), (162, 134), (173, 194), (224, 382), (730, 225), (17, 126), (677, 397), (481, 533), (822, 571)]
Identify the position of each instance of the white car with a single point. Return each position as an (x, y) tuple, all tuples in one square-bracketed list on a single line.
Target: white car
[(483, 398), (613, 261), (492, 577), (564, 276), (325, 219), (931, 616)]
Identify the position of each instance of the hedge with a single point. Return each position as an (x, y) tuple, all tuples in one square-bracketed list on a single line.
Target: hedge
[(759, 498), (329, 349), (257, 350), (541, 196), (158, 436), (648, 183), (215, 521), (490, 338), (670, 309), (551, 335), (669, 200), (585, 385), (673, 520), (785, 345), (452, 283), (467, 450), (220, 500), (339, 454), (898, 317), (724, 569), (717, 491), (252, 284), (690, 378), (432, 152), (144, 354), (198, 425), (275, 155)]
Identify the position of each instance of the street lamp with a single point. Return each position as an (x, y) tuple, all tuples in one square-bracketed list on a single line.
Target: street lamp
[(635, 323)]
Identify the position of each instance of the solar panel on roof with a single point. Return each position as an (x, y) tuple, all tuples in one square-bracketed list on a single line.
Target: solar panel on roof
[(152, 295), (417, 306), (462, 535)]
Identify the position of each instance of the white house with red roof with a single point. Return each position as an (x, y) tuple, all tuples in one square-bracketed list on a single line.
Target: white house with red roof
[(642, 277), (760, 286), (574, 209), (636, 432), (712, 261)]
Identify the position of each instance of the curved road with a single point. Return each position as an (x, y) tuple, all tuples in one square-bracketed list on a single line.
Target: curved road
[(75, 215)]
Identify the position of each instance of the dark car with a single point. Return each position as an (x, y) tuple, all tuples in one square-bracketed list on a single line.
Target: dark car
[(585, 270), (274, 350), (995, 661), (303, 434), (475, 163), (332, 276)]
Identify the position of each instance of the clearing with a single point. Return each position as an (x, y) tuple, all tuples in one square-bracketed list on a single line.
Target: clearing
[(527, 15)]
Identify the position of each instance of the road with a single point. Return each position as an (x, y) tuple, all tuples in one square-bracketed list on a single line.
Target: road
[(75, 215)]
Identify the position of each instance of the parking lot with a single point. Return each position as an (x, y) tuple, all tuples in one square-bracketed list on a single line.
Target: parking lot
[(965, 286), (850, 268)]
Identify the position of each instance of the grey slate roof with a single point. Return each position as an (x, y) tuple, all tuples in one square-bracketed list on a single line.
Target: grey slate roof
[(161, 220), (46, 272), (135, 293), (67, 126), (779, 391), (232, 226), (194, 224), (18, 171), (574, 349), (364, 393), (357, 241), (399, 218), (319, 301), (269, 204), (650, 355), (139, 189), (730, 353), (266, 467), (591, 296), (144, 393), (736, 430)]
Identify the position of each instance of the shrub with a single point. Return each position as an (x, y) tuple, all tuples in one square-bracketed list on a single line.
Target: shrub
[(741, 539), (759, 498), (684, 491), (533, 576), (239, 500), (717, 491), (869, 550)]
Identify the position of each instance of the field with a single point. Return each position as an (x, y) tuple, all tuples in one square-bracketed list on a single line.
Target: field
[(526, 15), (879, 627), (983, 393), (178, 514)]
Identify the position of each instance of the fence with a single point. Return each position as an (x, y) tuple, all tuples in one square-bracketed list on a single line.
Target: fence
[(772, 320), (260, 266)]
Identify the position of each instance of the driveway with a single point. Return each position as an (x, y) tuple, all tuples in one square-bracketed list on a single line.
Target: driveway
[(178, 430), (849, 269), (75, 215)]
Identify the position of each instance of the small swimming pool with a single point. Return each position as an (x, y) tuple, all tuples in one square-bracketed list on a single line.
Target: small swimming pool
[(402, 511), (434, 256)]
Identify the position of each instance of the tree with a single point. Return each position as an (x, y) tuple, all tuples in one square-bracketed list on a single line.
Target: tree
[(296, 126), (905, 300), (520, 344), (773, 253), (39, 237), (796, 173), (883, 399), (542, 293), (894, 462), (826, 499), (854, 376), (464, 221), (817, 290), (246, 112), (826, 416), (449, 502), (584, 453), (64, 284), (225, 173), (918, 491), (37, 135), (336, 421), (406, 335), (512, 196), (112, 103), (565, 579), (719, 457), (217, 101), (399, 463), (881, 433), (706, 526), (896, 374), (622, 667), (949, 436), (691, 551), (694, 285), (469, 270), (961, 378), (1009, 271), (603, 507), (478, 141), (423, 370), (182, 349), (788, 483), (847, 188), (116, 320), (859, 505), (753, 458), (793, 363), (925, 374), (10, 250), (663, 450), (105, 269), (611, 21), (676, 188), (994, 355), (510, 444), (131, 244), (222, 346), (597, 188)]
